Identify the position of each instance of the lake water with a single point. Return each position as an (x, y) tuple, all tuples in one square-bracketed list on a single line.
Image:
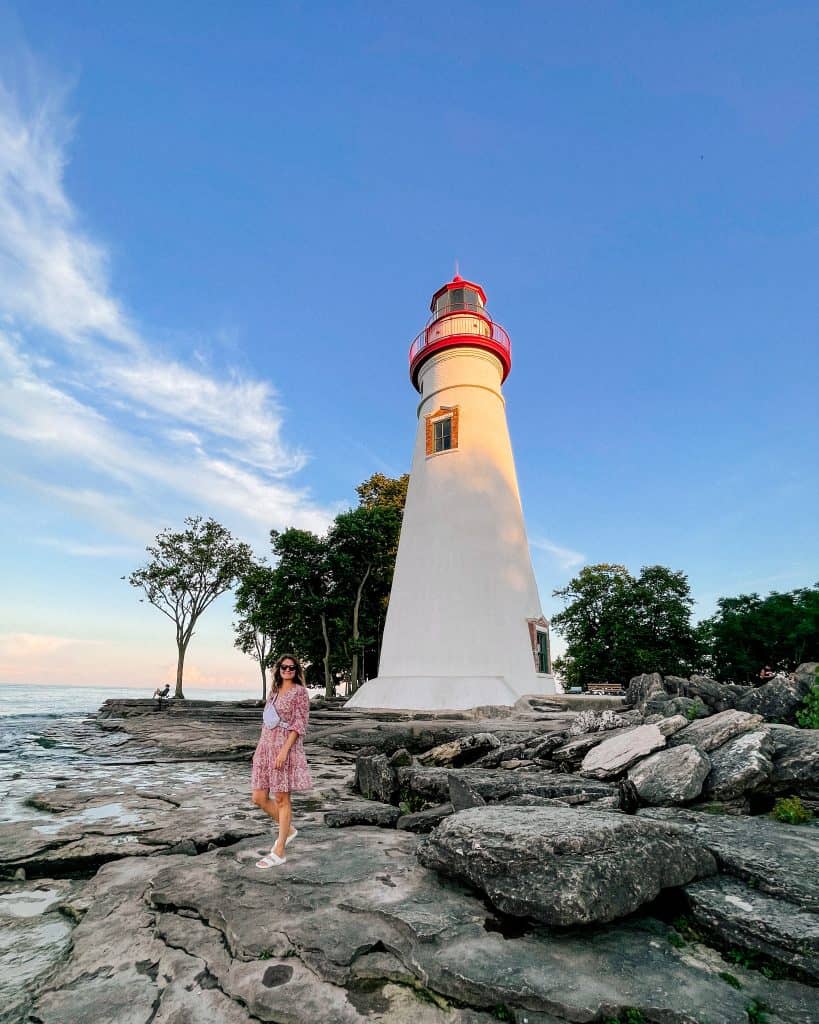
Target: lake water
[(47, 735)]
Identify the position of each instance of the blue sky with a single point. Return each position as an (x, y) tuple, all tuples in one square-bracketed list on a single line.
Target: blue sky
[(220, 227)]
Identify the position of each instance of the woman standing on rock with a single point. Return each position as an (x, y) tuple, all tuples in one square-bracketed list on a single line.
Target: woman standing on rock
[(279, 764)]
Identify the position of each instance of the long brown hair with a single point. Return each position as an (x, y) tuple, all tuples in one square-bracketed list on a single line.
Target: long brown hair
[(298, 675)]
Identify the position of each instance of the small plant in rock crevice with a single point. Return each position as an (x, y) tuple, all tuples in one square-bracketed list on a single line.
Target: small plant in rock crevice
[(409, 802), (629, 1016), (729, 979), (791, 811), (808, 715), (695, 711), (757, 1012)]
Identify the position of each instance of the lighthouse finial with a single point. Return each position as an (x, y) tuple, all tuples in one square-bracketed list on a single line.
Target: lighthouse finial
[(457, 276)]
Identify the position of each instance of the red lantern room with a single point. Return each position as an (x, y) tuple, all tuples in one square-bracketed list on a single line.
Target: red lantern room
[(459, 320)]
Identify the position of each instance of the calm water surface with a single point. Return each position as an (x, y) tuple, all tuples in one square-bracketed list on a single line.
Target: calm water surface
[(47, 735)]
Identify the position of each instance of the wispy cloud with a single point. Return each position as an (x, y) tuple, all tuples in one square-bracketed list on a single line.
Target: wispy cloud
[(78, 550), (566, 558), (27, 645), (87, 389)]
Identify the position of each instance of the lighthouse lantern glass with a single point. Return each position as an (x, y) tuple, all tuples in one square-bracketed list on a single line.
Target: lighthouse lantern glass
[(458, 298)]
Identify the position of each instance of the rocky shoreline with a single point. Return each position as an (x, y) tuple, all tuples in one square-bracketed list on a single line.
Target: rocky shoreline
[(541, 864)]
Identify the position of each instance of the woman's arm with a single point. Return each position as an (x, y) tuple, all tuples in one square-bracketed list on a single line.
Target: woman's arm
[(298, 725)]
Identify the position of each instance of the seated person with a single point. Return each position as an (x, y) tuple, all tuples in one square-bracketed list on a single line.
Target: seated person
[(162, 694)]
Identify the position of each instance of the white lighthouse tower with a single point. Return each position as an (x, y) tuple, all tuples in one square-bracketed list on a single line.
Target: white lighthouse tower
[(464, 626)]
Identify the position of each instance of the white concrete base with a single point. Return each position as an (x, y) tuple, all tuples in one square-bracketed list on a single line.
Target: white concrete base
[(444, 693)]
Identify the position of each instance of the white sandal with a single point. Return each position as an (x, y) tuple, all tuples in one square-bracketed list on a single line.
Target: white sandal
[(271, 860), (287, 841)]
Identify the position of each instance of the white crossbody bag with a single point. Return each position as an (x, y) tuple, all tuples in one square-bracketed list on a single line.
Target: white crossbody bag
[(271, 717)]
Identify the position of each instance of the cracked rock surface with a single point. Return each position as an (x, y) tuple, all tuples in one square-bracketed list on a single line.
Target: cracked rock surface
[(178, 926)]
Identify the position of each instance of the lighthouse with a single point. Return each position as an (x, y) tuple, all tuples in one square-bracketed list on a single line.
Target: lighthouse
[(464, 626)]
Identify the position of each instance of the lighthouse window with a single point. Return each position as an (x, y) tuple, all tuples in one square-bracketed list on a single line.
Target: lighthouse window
[(442, 430), (442, 433), (542, 651)]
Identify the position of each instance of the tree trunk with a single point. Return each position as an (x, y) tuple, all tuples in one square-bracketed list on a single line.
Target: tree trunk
[(329, 689), (264, 680), (356, 606), (182, 647)]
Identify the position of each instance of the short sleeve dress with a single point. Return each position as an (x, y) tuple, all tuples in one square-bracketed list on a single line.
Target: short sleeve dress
[(294, 710)]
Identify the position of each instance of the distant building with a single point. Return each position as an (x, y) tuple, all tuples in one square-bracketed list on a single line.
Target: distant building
[(464, 626)]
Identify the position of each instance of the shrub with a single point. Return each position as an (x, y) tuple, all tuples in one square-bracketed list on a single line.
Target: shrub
[(792, 811), (695, 710), (757, 1012), (808, 716)]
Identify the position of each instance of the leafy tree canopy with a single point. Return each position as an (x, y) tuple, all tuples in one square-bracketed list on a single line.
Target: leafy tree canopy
[(748, 632), (251, 635), (617, 626), (188, 569)]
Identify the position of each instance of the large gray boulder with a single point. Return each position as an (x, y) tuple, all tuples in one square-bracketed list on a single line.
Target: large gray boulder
[(367, 812), (795, 754), (781, 698), (691, 707), (670, 726), (716, 730), (562, 866), (375, 778), (672, 776), (569, 755), (708, 690), (641, 688), (462, 794), (741, 916), (494, 785), (741, 766), (774, 858), (613, 756)]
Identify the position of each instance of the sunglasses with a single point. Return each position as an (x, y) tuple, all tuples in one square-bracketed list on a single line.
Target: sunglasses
[(287, 668)]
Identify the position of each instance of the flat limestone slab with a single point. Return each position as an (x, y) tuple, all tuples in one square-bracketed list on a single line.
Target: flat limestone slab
[(614, 755), (212, 938)]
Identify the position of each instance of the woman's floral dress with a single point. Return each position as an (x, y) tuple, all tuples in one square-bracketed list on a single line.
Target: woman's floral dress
[(294, 710)]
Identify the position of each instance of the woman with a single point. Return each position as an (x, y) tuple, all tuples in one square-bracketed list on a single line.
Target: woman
[(279, 764)]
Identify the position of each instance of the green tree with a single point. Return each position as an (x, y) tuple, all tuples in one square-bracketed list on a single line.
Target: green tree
[(300, 610), (748, 632), (384, 491), (362, 545), (666, 640), (188, 569), (617, 626), (251, 638)]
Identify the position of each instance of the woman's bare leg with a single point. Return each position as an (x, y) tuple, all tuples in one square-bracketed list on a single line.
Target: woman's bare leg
[(285, 818), (262, 799)]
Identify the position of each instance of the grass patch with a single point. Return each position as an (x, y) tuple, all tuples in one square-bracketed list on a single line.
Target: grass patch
[(630, 1016), (791, 811), (409, 802), (808, 716), (729, 979), (695, 710), (757, 1012)]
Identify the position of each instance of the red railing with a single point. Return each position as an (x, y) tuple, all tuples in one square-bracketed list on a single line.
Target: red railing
[(485, 330)]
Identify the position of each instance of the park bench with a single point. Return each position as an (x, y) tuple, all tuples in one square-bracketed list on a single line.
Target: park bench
[(606, 689)]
